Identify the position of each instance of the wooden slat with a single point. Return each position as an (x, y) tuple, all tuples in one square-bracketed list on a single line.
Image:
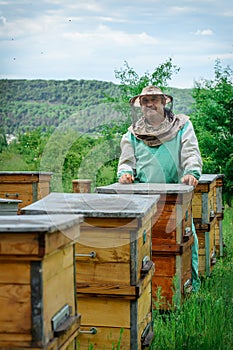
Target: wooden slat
[(170, 249), (144, 306), (103, 273), (104, 311), (57, 240), (186, 265), (19, 244), (110, 245), (15, 302), (17, 177), (164, 265), (14, 272), (106, 338), (124, 223), (130, 292)]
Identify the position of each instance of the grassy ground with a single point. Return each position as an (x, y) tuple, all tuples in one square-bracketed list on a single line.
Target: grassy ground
[(205, 320)]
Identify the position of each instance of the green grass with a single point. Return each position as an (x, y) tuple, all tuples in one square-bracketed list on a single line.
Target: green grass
[(205, 320)]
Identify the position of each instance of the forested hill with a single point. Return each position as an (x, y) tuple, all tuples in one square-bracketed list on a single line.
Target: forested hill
[(28, 104)]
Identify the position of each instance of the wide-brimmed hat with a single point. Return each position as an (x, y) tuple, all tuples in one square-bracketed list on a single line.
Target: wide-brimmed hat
[(149, 90)]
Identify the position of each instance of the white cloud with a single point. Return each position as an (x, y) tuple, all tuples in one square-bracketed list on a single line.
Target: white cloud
[(93, 6), (112, 20), (182, 9), (204, 32), (221, 56), (3, 20), (228, 13), (104, 35)]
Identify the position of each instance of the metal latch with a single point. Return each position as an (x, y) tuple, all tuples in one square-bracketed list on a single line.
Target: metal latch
[(147, 336), (60, 317), (212, 214), (146, 265), (145, 260), (188, 232), (188, 286), (144, 236)]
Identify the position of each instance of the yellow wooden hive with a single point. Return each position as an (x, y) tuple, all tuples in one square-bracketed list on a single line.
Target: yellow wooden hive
[(113, 265), (171, 236), (207, 211), (37, 282)]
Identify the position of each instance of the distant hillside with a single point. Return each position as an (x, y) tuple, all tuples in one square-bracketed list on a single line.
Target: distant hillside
[(28, 104)]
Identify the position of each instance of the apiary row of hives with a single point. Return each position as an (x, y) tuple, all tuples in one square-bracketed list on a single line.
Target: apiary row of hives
[(84, 269)]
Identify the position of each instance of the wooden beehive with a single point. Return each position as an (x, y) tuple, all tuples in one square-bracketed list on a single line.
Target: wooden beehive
[(219, 243), (171, 234), (173, 274), (220, 214), (26, 186), (81, 185), (206, 247), (113, 263), (204, 200), (207, 210), (37, 261)]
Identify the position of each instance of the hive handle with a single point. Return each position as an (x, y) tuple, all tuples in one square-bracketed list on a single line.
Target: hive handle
[(11, 195), (89, 255), (92, 330)]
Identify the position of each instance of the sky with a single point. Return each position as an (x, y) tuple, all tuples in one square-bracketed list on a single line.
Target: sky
[(85, 39)]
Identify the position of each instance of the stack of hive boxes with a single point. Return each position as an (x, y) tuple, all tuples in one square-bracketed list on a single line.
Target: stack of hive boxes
[(207, 211), (219, 213), (113, 266), (171, 237), (37, 282)]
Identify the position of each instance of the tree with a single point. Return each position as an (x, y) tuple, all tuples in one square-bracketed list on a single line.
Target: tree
[(3, 142), (131, 84), (213, 122)]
